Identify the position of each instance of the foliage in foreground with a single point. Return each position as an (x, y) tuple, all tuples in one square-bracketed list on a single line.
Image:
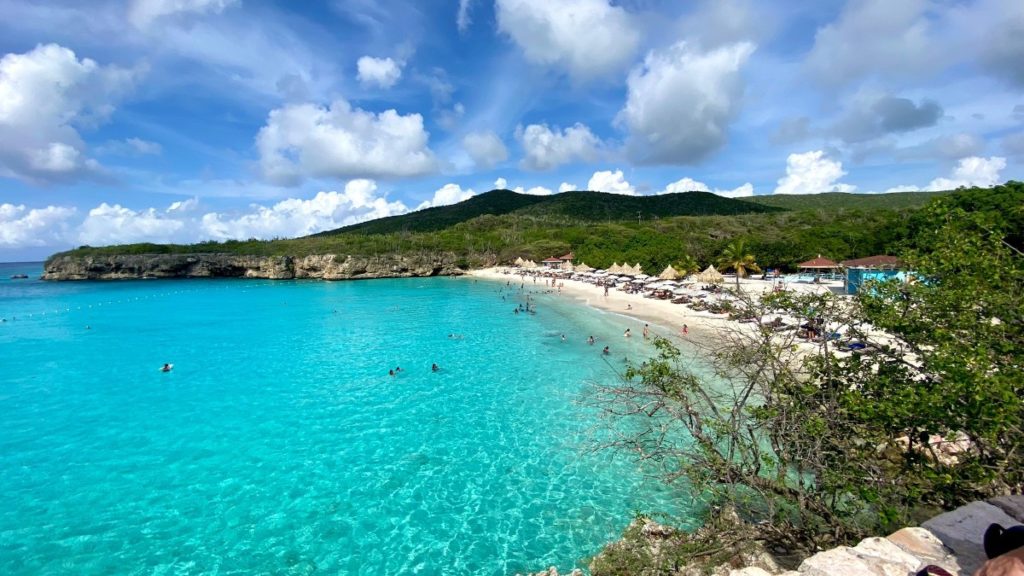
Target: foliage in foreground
[(820, 445)]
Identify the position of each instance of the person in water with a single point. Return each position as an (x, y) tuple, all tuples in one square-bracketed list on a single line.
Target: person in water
[(606, 351), (628, 333), (647, 331), (391, 372), (434, 368), (166, 368), (590, 340)]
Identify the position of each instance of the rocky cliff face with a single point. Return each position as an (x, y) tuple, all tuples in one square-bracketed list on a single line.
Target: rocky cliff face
[(322, 266)]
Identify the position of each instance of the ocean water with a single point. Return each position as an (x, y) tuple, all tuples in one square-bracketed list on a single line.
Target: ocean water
[(279, 444)]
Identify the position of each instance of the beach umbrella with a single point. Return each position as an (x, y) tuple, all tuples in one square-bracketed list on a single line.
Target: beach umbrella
[(669, 273), (519, 261), (614, 268), (638, 269), (711, 276), (584, 268)]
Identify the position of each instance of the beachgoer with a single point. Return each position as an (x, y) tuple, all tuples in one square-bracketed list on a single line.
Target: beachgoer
[(434, 367), (563, 337), (647, 331), (517, 310), (629, 306), (606, 290), (686, 329), (166, 368), (391, 372), (606, 351), (628, 333), (590, 340), (398, 369)]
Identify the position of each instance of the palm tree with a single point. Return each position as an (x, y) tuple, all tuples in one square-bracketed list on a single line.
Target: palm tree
[(735, 256), (687, 264)]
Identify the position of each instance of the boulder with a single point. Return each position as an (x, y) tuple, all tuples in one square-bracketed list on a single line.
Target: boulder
[(962, 530)]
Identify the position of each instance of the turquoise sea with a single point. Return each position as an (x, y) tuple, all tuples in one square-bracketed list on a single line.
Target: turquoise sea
[(279, 444)]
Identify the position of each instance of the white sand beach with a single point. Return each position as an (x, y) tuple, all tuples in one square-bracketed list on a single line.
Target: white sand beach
[(666, 319)]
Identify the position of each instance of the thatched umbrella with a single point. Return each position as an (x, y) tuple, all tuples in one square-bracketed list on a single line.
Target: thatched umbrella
[(669, 273), (584, 268), (638, 269), (614, 268), (519, 261), (711, 276), (566, 265)]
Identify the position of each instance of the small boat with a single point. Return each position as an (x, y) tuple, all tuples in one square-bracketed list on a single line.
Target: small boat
[(19, 277)]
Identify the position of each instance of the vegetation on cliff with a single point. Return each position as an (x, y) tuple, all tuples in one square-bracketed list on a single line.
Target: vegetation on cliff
[(602, 228), (822, 447)]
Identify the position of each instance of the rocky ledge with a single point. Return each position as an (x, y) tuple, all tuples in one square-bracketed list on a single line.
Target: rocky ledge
[(322, 266)]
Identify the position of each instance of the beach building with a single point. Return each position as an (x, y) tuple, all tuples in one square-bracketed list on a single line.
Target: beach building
[(818, 267), (568, 257), (552, 262), (860, 270)]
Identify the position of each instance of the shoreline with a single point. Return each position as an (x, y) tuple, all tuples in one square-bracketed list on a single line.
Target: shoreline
[(670, 318)]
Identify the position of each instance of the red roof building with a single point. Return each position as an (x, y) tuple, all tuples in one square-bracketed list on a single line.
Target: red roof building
[(819, 263), (568, 257), (552, 262)]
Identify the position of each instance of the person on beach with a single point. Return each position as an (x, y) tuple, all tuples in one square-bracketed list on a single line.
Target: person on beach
[(686, 329), (590, 340), (647, 331), (629, 306)]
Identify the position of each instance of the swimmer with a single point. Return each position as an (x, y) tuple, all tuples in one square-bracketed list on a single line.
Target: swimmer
[(166, 368), (647, 331), (590, 340), (434, 368), (398, 369), (606, 351), (391, 372), (628, 334), (563, 337)]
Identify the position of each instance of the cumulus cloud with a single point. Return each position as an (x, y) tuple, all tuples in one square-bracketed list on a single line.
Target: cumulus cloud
[(587, 38), (379, 72), (972, 171), (502, 184), (144, 12), (114, 224), (691, 185), (447, 194), (21, 227), (46, 96), (485, 148), (871, 116), (306, 140), (611, 181), (812, 173), (546, 149), (716, 23), (875, 37), (567, 187), (681, 102)]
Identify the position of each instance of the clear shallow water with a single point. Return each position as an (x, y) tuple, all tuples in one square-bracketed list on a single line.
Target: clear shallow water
[(279, 444)]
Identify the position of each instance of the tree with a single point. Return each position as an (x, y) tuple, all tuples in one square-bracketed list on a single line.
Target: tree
[(737, 257), (687, 264)]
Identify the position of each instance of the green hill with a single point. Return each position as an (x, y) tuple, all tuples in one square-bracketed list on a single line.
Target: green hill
[(846, 201), (577, 206)]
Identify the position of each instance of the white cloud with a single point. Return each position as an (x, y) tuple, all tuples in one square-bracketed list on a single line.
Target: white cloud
[(46, 96), (305, 140), (21, 227), (114, 224), (609, 181), (546, 149), (972, 171), (812, 173), (296, 217), (130, 147), (447, 194), (462, 18), (876, 37), (691, 185), (567, 187), (715, 23), (501, 184), (144, 12), (681, 102), (903, 188), (588, 38), (485, 148), (380, 72)]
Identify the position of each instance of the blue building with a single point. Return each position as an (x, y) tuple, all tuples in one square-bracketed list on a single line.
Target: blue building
[(878, 268)]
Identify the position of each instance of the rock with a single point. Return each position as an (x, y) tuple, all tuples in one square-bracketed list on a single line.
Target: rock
[(836, 561), (1012, 505), (926, 547), (320, 266), (887, 557), (962, 530), (750, 571)]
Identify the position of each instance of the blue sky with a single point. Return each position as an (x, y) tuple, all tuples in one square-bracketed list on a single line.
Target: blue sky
[(187, 120)]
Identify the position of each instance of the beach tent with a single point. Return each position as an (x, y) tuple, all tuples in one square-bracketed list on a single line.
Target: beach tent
[(711, 276), (669, 273)]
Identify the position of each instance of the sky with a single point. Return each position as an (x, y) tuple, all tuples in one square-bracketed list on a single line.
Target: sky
[(191, 120)]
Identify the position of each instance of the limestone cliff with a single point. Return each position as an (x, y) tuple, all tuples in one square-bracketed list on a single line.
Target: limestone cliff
[(322, 266)]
